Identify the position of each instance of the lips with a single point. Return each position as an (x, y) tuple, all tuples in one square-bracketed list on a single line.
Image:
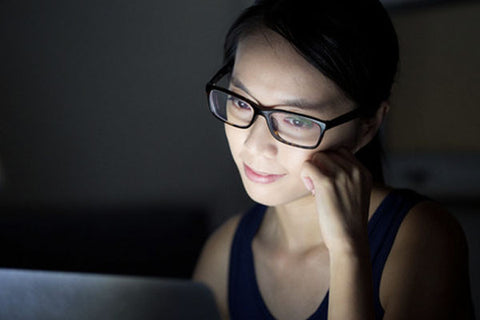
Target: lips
[(260, 177)]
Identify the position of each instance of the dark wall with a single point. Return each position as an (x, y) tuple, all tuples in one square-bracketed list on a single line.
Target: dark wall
[(102, 102)]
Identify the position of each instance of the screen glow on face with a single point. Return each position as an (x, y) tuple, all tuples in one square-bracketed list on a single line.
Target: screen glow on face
[(290, 127)]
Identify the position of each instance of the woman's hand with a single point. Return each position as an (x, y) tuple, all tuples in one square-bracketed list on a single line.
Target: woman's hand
[(341, 186)]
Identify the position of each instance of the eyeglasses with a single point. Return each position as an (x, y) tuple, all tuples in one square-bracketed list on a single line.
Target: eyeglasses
[(291, 128)]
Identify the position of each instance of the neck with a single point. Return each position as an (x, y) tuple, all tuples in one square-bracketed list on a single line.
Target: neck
[(295, 226)]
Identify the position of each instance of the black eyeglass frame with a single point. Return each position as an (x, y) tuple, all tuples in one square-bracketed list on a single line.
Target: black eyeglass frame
[(265, 112)]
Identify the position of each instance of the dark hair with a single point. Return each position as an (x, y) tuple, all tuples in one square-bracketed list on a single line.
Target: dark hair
[(352, 42)]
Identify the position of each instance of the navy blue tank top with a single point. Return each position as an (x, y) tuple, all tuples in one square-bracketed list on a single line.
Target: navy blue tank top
[(244, 298)]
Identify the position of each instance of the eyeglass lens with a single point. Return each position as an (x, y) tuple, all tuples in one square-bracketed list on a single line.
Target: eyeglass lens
[(285, 126)]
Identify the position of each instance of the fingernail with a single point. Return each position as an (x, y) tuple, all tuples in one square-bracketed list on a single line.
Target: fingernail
[(309, 184)]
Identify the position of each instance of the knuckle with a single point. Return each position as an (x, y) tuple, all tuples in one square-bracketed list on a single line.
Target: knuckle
[(356, 173), (342, 177)]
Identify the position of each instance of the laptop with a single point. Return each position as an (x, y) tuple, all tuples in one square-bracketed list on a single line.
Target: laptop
[(51, 295)]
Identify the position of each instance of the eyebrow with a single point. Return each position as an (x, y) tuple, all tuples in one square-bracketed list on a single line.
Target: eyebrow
[(299, 103)]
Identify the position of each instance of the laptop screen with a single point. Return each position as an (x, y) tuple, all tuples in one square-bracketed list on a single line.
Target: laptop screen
[(42, 295)]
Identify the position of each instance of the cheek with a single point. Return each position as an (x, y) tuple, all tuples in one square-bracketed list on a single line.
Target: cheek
[(292, 159), (235, 138)]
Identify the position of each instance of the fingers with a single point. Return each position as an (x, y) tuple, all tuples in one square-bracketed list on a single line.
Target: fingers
[(311, 176), (339, 162), (322, 173), (342, 196), (336, 167), (349, 155)]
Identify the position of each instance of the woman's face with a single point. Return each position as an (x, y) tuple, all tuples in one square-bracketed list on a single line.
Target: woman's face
[(270, 72)]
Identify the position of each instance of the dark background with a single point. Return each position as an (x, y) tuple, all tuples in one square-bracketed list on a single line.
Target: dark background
[(111, 161), (103, 102), (107, 145)]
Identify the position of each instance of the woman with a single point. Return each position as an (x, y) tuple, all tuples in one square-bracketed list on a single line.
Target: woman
[(303, 92)]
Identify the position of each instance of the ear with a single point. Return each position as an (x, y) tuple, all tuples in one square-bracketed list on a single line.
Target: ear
[(370, 126)]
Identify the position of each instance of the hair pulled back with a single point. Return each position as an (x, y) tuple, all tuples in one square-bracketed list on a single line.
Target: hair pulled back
[(351, 42)]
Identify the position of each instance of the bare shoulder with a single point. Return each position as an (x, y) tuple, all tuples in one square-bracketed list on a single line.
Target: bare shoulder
[(216, 251), (212, 266), (426, 273), (429, 226)]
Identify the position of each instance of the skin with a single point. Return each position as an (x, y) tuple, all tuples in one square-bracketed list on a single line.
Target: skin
[(314, 234)]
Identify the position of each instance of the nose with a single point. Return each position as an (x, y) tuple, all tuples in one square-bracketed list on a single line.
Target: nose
[(259, 139)]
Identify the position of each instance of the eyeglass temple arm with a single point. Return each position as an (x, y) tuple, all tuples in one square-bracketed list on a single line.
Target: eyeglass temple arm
[(223, 71), (355, 113)]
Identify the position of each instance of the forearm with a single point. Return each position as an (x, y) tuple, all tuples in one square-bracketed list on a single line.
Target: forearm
[(351, 287)]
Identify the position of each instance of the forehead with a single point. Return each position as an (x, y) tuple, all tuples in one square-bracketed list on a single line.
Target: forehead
[(273, 70)]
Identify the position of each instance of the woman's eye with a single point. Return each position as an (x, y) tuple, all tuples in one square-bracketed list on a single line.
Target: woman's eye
[(239, 103), (298, 122)]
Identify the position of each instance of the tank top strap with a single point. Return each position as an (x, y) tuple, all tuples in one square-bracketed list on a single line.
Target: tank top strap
[(382, 230), (244, 298)]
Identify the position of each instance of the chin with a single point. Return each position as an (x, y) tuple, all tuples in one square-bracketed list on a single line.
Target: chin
[(272, 196), (265, 200)]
